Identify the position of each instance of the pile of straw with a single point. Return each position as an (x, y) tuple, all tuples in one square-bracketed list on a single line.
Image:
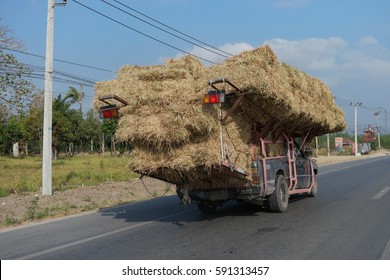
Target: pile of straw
[(282, 92), (176, 138)]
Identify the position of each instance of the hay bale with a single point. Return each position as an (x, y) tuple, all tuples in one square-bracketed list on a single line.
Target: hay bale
[(193, 163), (163, 109), (281, 91), (176, 138), (205, 151)]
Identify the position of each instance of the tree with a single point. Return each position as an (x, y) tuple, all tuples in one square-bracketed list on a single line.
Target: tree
[(15, 89), (75, 96), (33, 126), (15, 133), (11, 133), (6, 41), (109, 127), (23, 129), (4, 116), (91, 130), (66, 123)]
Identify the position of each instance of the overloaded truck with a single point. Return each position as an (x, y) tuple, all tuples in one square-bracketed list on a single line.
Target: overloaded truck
[(249, 140), (281, 164)]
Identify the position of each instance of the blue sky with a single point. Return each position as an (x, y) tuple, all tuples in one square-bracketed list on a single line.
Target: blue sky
[(345, 43)]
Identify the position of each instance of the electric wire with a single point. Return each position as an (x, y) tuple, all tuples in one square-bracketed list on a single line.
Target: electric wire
[(346, 102), (159, 28), (37, 68), (142, 33), (59, 60), (38, 72), (55, 78), (171, 28)]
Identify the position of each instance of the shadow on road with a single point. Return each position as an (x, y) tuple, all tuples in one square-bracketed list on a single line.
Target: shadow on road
[(169, 210)]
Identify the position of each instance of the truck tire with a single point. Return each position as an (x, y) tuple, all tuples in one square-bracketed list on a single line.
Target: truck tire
[(206, 207), (278, 200)]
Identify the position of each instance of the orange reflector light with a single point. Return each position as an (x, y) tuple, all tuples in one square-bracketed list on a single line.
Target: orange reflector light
[(206, 99), (109, 112)]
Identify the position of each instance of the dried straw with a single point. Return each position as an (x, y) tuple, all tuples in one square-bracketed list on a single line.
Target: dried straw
[(176, 138)]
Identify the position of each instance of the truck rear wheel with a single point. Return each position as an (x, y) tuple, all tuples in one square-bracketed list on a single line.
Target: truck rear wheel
[(278, 200), (206, 207)]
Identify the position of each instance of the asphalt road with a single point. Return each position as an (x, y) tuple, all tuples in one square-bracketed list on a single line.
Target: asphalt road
[(349, 219)]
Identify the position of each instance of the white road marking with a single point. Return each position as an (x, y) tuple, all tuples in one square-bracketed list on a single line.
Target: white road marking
[(386, 252), (380, 194), (99, 236)]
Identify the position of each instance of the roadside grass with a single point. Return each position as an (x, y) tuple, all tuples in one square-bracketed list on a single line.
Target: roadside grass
[(25, 174)]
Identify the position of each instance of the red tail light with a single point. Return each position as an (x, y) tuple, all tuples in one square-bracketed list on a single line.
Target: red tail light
[(109, 112), (214, 97)]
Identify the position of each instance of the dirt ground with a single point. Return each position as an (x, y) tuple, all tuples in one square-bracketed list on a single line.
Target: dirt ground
[(30, 207)]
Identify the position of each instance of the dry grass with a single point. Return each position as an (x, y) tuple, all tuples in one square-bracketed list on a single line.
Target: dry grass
[(25, 174), (282, 92), (176, 137)]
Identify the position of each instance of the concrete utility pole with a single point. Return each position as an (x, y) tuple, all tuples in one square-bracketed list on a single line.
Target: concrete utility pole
[(356, 104), (377, 127), (48, 110), (48, 104)]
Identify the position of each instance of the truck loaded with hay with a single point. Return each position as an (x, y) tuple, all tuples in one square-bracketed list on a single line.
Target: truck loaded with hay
[(249, 139)]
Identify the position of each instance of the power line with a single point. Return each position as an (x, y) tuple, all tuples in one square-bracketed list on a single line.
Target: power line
[(347, 102), (142, 33), (226, 55), (370, 108), (343, 105), (178, 31), (41, 76), (37, 68), (59, 60), (38, 72)]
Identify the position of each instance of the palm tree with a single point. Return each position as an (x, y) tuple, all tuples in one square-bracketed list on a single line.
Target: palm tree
[(75, 96)]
